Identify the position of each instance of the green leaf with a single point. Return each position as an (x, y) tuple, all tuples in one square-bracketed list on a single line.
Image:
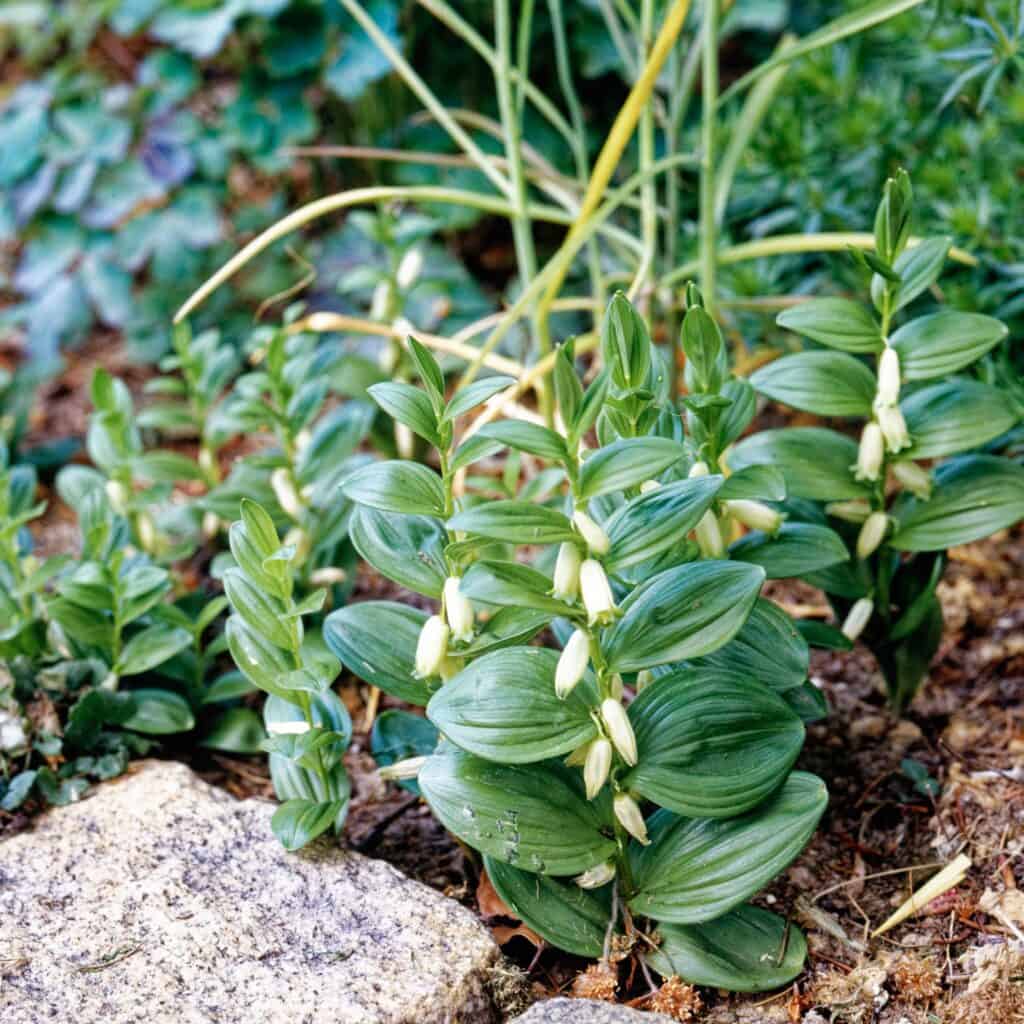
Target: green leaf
[(683, 612), (398, 735), (472, 450), (512, 584), (940, 344), (797, 548), (973, 497), (768, 648), (507, 627), (151, 648), (466, 399), (517, 522), (237, 731), (567, 916), (712, 743), (838, 323), (376, 641), (527, 437), (625, 344), (654, 522), (702, 344), (626, 463), (229, 686), (159, 712), (696, 869), (429, 371), (298, 822), (397, 486), (262, 662), (406, 549), (506, 812), (809, 703), (955, 416), (409, 405), (825, 383), (819, 634), (759, 483), (918, 268), (747, 950), (503, 707), (261, 611), (815, 462)]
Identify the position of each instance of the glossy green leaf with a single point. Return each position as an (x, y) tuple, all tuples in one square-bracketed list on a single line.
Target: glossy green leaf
[(681, 613), (512, 584), (297, 822), (468, 398), (809, 703), (503, 707), (261, 611), (526, 437), (376, 641), (940, 344), (397, 486), (407, 404), (406, 549), (626, 463), (262, 662), (567, 916), (517, 522), (973, 496), (746, 950), (654, 522), (797, 548), (159, 712), (398, 735), (151, 648), (825, 383), (237, 731), (507, 812), (955, 416), (698, 869), (507, 627), (918, 267), (838, 323), (768, 648), (816, 462), (758, 483), (712, 743)]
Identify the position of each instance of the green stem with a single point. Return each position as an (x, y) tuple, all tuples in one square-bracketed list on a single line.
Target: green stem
[(648, 194), (707, 155)]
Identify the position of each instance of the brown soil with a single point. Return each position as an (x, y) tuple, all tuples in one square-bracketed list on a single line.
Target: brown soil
[(961, 961)]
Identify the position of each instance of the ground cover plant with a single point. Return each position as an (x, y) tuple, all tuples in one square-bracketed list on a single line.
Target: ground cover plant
[(585, 502)]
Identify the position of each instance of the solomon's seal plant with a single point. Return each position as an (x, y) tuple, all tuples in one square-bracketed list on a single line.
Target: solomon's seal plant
[(908, 489), (308, 726), (636, 784)]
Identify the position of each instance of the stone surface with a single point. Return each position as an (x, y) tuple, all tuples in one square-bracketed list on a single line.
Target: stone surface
[(161, 900), (586, 1011)]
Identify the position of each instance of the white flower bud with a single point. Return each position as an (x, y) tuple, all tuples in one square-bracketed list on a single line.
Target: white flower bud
[(649, 485), (849, 511), (208, 461), (211, 525), (567, 572), (327, 576), (572, 663), (630, 818), (872, 534), (644, 678), (597, 540), (894, 427), (118, 496), (407, 769), (302, 440), (287, 728), (379, 302), (405, 442), (620, 730), (450, 667), (578, 757), (914, 478), (297, 539), (597, 593), (709, 536), (870, 453), (409, 268), (431, 647), (146, 529), (597, 766), (889, 377), (12, 733), (457, 609), (699, 469), (858, 617), (754, 514), (286, 493), (595, 877)]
